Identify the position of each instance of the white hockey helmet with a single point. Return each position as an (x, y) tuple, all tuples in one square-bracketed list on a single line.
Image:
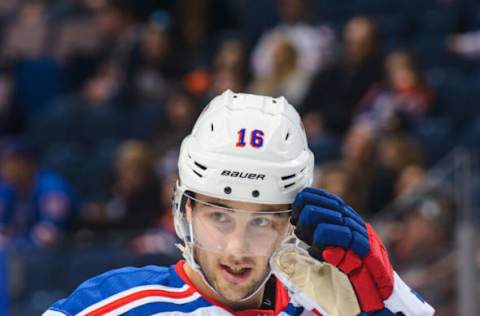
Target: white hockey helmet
[(246, 148)]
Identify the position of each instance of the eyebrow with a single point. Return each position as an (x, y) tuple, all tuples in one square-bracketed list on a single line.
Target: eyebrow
[(229, 208), (224, 206)]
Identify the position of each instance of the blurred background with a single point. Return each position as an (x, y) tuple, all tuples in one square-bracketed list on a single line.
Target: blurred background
[(96, 95)]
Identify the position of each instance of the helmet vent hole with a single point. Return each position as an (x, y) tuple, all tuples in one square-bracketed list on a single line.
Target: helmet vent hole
[(288, 177), (289, 185), (198, 174), (211, 127), (287, 136), (227, 190), (200, 166), (274, 101), (235, 96), (255, 193)]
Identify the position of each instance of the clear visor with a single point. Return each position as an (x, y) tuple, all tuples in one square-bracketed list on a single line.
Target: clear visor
[(236, 232)]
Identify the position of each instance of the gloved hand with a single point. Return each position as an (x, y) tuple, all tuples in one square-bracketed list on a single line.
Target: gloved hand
[(338, 235)]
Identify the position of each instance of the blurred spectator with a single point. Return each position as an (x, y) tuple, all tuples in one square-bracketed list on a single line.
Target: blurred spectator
[(229, 69), (134, 204), (199, 24), (409, 180), (79, 44), (336, 178), (26, 46), (223, 79), (161, 237), (285, 78), (120, 30), (155, 66), (358, 148), (394, 153), (372, 182), (181, 109), (405, 96), (194, 16), (337, 89), (78, 35), (36, 205), (314, 126), (315, 45), (197, 82), (26, 37), (232, 56), (105, 88), (420, 247), (466, 44)]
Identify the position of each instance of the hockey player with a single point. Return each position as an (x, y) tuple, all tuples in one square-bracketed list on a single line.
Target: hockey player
[(243, 190)]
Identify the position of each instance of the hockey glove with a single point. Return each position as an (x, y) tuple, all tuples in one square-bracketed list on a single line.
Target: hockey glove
[(338, 235)]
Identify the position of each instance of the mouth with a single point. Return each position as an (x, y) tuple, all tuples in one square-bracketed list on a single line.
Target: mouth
[(235, 275)]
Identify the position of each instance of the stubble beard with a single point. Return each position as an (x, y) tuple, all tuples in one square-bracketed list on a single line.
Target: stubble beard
[(231, 292)]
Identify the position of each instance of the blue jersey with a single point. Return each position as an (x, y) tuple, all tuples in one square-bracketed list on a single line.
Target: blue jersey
[(51, 201), (154, 290)]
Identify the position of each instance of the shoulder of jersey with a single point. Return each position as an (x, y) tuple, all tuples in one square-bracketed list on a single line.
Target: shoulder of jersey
[(125, 288)]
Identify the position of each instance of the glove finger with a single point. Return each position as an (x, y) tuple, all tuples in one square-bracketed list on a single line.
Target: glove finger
[(312, 215), (333, 255), (379, 265), (366, 290), (355, 226), (350, 212), (360, 244), (327, 194), (337, 199), (297, 206), (304, 231), (382, 275), (350, 262), (316, 253), (332, 235), (305, 197)]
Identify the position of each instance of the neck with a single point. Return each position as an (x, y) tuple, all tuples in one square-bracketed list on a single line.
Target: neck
[(252, 303)]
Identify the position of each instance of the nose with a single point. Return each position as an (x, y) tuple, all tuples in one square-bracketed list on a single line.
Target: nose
[(237, 242)]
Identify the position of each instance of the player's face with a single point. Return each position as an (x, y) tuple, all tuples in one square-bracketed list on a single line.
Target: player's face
[(234, 240)]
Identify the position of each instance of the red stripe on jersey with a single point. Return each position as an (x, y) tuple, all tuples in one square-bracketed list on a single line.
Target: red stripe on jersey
[(185, 278), (281, 296), (137, 296), (317, 313)]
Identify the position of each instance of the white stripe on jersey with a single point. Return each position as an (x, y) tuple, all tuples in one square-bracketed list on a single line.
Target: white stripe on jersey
[(53, 313), (128, 292), (206, 311), (153, 299), (202, 311)]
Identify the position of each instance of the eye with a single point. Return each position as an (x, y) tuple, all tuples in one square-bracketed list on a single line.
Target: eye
[(261, 222), (219, 217)]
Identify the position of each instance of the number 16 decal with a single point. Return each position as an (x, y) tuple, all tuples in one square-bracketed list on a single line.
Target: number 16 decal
[(256, 138)]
